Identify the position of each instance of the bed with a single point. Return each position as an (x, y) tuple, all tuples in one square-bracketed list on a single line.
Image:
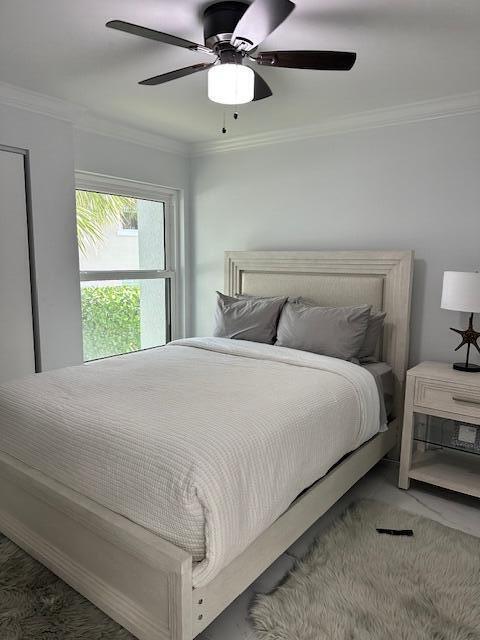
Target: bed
[(168, 572)]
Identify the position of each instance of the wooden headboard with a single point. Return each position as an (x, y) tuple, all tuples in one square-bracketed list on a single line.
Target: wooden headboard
[(382, 279)]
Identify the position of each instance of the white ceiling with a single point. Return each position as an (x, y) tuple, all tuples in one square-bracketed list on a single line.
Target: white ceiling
[(408, 51)]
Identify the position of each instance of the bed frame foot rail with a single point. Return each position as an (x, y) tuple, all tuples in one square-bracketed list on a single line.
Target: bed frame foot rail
[(135, 577)]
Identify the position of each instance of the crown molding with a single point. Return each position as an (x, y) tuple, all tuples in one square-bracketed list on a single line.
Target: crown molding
[(83, 120), (20, 98), (456, 105), (91, 123)]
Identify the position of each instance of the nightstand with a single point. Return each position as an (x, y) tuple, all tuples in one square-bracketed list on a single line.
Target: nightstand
[(435, 389)]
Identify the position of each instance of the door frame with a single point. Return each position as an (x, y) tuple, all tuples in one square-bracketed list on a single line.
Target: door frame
[(31, 251)]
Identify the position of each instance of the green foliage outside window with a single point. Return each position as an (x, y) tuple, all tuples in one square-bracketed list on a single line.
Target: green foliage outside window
[(96, 211), (111, 320)]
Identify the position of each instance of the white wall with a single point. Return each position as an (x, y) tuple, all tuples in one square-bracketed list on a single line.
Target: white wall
[(113, 157), (50, 143), (413, 186), (56, 150)]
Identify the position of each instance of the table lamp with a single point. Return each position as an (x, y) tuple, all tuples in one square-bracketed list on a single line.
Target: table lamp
[(461, 292)]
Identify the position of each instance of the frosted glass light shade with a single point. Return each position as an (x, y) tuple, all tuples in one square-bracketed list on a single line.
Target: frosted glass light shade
[(231, 84), (461, 291)]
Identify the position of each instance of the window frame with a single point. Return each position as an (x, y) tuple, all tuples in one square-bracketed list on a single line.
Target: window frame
[(86, 181)]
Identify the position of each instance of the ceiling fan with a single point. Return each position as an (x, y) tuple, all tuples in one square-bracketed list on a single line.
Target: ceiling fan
[(232, 33)]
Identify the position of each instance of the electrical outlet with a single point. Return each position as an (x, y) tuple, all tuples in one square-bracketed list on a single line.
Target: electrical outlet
[(467, 434)]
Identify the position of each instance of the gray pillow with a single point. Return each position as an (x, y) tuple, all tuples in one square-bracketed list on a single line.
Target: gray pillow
[(247, 296), (253, 318), (338, 332), (372, 336)]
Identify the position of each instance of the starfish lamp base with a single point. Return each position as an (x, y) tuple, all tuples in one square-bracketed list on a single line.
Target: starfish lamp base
[(469, 337), (462, 366)]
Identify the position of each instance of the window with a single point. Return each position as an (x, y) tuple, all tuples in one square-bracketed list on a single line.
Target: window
[(126, 238), (129, 221)]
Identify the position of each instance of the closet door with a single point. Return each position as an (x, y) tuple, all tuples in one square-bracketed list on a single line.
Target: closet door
[(17, 356)]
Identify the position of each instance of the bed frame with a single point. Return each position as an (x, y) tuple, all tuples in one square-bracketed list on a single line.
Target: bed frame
[(145, 582)]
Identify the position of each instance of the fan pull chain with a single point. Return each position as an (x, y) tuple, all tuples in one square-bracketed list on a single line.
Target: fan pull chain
[(235, 117)]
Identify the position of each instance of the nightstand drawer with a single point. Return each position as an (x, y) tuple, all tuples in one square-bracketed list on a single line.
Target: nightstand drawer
[(446, 396)]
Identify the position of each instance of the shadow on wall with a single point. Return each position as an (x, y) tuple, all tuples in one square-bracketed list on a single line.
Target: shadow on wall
[(417, 312)]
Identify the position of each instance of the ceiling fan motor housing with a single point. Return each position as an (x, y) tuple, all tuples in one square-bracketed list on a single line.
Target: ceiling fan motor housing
[(220, 20), (233, 29)]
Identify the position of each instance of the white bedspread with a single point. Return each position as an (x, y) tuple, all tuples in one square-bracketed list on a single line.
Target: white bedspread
[(204, 442)]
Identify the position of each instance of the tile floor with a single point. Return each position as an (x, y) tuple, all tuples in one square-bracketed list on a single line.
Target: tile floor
[(451, 509)]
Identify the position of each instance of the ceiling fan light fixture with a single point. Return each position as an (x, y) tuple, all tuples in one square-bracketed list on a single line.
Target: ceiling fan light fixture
[(231, 83), (233, 29)]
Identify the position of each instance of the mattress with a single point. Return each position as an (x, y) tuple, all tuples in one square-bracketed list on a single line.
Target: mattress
[(204, 442), (384, 379)]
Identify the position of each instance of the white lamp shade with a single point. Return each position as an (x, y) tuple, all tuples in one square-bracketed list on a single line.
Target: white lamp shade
[(461, 291), (231, 84)]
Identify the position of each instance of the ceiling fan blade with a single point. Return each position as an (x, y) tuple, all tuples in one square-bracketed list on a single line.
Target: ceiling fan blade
[(260, 19), (320, 60), (174, 75), (261, 88), (151, 34)]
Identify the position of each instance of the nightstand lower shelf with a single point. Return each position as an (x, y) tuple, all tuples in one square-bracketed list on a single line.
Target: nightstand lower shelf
[(449, 469)]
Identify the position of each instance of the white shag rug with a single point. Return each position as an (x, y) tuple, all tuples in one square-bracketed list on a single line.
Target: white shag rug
[(36, 605), (356, 584)]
